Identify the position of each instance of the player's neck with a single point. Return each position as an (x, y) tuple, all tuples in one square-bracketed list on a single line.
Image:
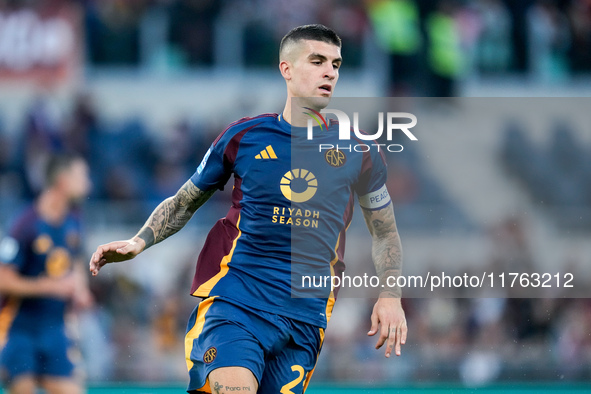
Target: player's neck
[(289, 116), (287, 111), (52, 206)]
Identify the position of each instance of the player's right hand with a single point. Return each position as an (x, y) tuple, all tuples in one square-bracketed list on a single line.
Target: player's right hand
[(115, 252)]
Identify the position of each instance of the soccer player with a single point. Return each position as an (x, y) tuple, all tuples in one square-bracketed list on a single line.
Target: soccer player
[(249, 334), (40, 273)]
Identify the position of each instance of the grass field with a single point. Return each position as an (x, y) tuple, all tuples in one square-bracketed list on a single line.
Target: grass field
[(516, 388), (538, 388)]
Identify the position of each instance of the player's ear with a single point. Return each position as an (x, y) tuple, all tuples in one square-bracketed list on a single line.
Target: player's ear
[(285, 68)]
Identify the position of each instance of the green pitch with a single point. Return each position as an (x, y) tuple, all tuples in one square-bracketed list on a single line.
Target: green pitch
[(517, 388), (537, 388)]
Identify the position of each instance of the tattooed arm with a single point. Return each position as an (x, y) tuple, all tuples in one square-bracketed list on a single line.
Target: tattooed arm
[(172, 214), (386, 249), (387, 257), (167, 219)]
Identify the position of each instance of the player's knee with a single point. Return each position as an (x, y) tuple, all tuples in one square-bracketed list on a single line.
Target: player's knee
[(232, 379), (22, 385), (60, 386)]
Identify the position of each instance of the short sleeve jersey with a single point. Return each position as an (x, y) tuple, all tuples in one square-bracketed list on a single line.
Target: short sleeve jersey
[(291, 206)]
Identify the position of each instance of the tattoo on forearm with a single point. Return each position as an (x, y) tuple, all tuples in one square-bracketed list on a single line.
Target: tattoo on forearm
[(377, 223), (173, 214), (386, 247), (147, 234)]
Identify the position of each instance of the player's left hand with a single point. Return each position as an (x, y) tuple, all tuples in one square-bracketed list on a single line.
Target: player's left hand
[(389, 316), (115, 252)]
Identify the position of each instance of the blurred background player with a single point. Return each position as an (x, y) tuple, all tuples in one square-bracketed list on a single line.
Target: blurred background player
[(39, 275)]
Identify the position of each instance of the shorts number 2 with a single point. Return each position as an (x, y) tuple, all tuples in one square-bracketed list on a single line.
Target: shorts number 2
[(287, 388)]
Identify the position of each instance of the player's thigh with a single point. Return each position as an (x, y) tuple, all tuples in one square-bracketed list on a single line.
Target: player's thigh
[(23, 384), (53, 385), (291, 370), (232, 380), (219, 336)]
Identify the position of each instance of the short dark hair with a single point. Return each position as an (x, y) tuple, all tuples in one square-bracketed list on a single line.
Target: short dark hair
[(58, 163), (315, 32)]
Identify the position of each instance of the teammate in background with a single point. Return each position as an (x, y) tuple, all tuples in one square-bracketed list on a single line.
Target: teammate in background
[(248, 334), (40, 273)]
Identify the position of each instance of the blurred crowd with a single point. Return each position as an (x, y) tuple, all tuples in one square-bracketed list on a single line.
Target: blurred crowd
[(430, 44), (555, 175), (473, 341), (127, 161)]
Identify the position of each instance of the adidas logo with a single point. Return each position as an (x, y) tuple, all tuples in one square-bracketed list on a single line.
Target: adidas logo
[(267, 153)]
